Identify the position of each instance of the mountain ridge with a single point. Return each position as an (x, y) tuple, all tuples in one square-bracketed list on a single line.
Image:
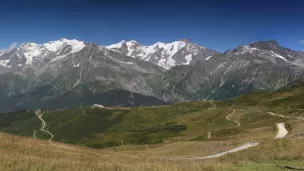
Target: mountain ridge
[(166, 55), (66, 46), (68, 67)]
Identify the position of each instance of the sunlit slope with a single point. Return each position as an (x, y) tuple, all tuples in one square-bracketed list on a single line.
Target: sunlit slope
[(20, 153), (191, 121)]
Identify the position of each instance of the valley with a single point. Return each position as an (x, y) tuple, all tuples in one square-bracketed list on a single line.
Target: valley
[(141, 85)]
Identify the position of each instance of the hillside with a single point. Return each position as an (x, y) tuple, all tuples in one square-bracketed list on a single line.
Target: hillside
[(105, 127), (152, 85), (145, 137), (20, 153)]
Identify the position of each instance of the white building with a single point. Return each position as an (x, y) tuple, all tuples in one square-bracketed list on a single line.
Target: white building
[(98, 105)]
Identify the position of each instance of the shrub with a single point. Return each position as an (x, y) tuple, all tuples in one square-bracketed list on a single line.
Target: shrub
[(176, 128)]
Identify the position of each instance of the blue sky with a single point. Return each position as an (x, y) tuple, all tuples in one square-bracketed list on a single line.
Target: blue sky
[(216, 24)]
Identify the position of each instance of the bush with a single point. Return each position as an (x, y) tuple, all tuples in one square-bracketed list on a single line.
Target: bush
[(176, 128)]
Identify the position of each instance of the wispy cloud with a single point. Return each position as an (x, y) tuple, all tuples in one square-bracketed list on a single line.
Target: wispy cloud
[(13, 45), (301, 41)]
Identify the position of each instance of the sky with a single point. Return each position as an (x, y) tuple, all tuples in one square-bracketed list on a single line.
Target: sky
[(215, 24)]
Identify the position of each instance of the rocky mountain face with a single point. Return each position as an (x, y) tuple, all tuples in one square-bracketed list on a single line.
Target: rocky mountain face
[(269, 50), (70, 73), (53, 70), (260, 66)]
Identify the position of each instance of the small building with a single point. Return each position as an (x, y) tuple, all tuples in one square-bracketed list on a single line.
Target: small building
[(98, 105)]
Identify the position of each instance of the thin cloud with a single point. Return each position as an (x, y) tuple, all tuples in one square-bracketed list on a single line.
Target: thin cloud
[(13, 45), (301, 41)]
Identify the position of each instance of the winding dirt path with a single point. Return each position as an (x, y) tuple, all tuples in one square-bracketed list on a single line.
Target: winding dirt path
[(281, 126), (34, 134), (43, 125), (282, 116), (281, 134), (209, 135), (227, 117), (282, 131), (214, 105), (240, 148), (299, 117)]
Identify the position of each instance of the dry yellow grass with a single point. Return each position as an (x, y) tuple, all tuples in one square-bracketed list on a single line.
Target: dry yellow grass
[(255, 134), (20, 153), (236, 116), (178, 150), (191, 149)]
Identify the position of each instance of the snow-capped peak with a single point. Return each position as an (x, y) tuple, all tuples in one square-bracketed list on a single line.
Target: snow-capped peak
[(31, 50), (168, 48), (116, 46), (163, 54), (132, 43), (55, 46), (28, 45), (121, 43)]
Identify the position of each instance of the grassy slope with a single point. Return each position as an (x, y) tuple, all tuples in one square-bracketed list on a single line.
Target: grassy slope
[(156, 126), (20, 153), (102, 128)]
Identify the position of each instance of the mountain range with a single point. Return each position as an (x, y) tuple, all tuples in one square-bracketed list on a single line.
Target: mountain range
[(70, 73)]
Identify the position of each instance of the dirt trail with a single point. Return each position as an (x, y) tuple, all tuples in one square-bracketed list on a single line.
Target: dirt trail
[(240, 148), (281, 126), (281, 134), (43, 125), (282, 131), (34, 134), (214, 105), (278, 115), (299, 117), (227, 117), (209, 135)]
